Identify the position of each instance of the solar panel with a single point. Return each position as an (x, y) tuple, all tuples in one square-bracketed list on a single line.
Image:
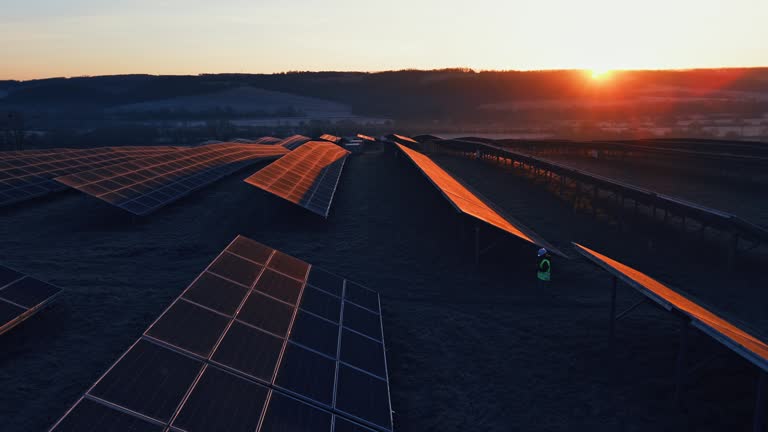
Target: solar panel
[(307, 176), (366, 137), (405, 138), (466, 201), (260, 341), (743, 343), (331, 138), (30, 174), (21, 297), (294, 141), (145, 185)]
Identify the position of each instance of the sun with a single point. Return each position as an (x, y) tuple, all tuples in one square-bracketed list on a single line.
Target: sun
[(599, 74)]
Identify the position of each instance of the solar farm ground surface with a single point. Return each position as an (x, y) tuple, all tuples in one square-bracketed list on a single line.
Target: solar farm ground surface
[(467, 349)]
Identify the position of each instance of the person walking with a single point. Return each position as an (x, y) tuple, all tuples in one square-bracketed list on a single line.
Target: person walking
[(544, 268)]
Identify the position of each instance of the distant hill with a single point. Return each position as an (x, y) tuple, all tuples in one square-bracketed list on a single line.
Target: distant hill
[(243, 100), (450, 99)]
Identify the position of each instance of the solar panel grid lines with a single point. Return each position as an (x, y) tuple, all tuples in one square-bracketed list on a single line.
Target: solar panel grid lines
[(741, 341), (331, 138), (145, 185), (190, 378), (308, 176), (22, 296), (294, 141), (27, 177)]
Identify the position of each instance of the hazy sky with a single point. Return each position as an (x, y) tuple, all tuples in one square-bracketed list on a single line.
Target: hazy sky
[(43, 38)]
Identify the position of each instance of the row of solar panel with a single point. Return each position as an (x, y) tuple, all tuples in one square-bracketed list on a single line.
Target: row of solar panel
[(467, 201), (144, 186), (256, 326), (29, 177), (137, 179)]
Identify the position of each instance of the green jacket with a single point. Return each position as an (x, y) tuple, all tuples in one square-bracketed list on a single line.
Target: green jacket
[(545, 269)]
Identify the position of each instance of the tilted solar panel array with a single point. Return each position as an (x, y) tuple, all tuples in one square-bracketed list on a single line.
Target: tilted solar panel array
[(332, 138), (26, 175), (366, 137), (750, 347), (145, 185), (260, 341), (294, 141), (307, 176), (21, 296), (405, 138), (468, 202)]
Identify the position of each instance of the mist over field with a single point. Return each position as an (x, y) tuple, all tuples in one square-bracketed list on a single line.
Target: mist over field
[(132, 109)]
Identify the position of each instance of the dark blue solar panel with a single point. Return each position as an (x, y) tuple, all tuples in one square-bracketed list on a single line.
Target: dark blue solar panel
[(363, 353), (286, 414), (320, 195), (266, 313), (320, 303), (362, 320), (362, 296), (308, 374), (216, 293), (149, 379), (91, 416), (315, 333), (363, 396), (189, 327), (327, 282), (342, 425), (279, 286), (221, 401), (185, 372), (8, 275), (250, 351), (21, 296), (28, 292), (8, 313)]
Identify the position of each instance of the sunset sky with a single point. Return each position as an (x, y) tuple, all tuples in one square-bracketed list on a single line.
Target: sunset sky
[(43, 38)]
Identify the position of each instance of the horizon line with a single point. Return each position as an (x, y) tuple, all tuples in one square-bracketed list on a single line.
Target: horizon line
[(372, 72)]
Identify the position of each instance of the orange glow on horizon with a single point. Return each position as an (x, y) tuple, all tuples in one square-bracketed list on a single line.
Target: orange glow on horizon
[(600, 74)]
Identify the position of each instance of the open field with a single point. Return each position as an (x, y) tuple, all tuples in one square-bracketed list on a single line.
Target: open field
[(468, 348)]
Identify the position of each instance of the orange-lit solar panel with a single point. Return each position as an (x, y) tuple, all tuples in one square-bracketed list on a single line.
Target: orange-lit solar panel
[(307, 176), (142, 186), (366, 137), (332, 138), (722, 330), (466, 201), (405, 138), (294, 141), (29, 174)]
